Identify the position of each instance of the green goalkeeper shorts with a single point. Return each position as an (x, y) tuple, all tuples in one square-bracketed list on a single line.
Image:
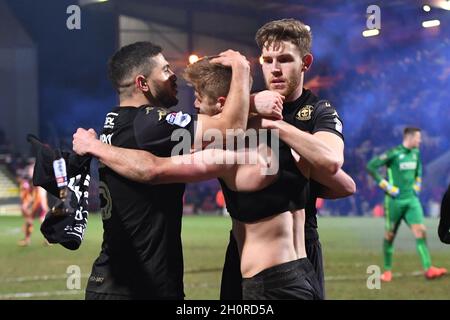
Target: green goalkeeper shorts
[(396, 210)]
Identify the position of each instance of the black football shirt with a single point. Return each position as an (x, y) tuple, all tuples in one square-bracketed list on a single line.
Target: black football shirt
[(311, 114), (141, 255)]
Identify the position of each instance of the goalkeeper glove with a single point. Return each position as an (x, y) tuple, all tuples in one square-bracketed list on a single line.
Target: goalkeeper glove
[(418, 185), (390, 189)]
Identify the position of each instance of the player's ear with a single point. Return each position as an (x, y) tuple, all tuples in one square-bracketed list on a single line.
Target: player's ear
[(141, 83), (220, 102), (307, 61)]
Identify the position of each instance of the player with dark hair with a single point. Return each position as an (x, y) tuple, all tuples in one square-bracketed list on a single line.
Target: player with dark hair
[(141, 255), (263, 206), (404, 171)]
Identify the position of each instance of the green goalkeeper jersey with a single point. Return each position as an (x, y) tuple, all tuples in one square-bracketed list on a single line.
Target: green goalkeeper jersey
[(403, 167)]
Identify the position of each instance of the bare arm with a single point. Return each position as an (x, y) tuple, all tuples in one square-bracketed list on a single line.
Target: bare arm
[(144, 167), (340, 185), (312, 147), (236, 108), (199, 166), (333, 142)]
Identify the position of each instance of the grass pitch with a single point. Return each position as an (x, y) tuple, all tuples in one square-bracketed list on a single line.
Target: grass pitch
[(350, 246)]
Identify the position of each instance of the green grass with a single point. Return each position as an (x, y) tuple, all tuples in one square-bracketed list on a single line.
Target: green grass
[(350, 246)]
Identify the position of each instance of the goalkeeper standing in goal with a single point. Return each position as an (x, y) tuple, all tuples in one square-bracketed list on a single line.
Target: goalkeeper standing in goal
[(402, 186)]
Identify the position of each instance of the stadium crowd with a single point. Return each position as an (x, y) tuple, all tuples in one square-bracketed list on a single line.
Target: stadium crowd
[(375, 101)]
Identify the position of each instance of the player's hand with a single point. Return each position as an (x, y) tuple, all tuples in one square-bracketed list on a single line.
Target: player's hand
[(390, 189), (269, 104), (84, 141), (270, 124), (231, 59), (417, 185)]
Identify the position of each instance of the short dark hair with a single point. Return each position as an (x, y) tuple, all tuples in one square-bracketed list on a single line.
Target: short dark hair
[(290, 30), (131, 60), (410, 131)]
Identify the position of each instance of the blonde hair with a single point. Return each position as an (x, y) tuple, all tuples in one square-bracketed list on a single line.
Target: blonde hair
[(210, 79)]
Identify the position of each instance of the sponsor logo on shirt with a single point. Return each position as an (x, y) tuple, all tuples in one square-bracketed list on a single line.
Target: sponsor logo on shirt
[(305, 113), (109, 121), (410, 165), (97, 279), (178, 118), (338, 125), (106, 138)]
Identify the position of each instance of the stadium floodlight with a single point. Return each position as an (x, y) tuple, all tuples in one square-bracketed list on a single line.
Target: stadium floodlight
[(371, 33), (444, 4), (88, 2), (430, 23), (426, 8), (193, 58)]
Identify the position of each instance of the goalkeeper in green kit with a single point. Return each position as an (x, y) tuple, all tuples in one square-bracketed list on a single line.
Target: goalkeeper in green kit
[(404, 171)]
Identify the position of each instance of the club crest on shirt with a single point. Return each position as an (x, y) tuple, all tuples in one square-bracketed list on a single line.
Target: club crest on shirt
[(162, 113), (148, 109), (305, 113)]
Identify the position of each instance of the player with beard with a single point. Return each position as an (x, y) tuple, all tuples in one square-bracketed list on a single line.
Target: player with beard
[(141, 255), (263, 206)]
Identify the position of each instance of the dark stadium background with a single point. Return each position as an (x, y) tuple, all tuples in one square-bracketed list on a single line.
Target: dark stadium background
[(378, 84), (54, 80)]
